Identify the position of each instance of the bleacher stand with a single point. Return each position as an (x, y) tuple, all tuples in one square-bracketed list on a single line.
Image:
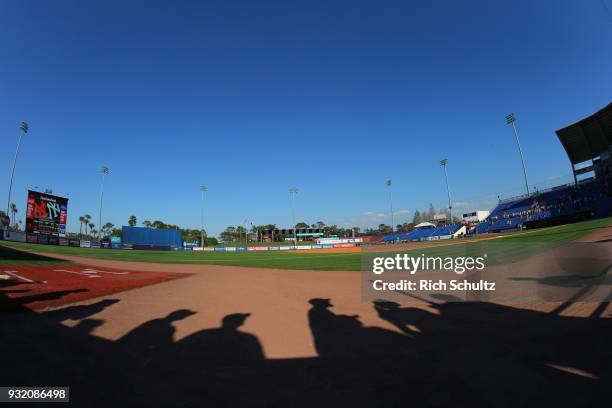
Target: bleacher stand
[(567, 202)]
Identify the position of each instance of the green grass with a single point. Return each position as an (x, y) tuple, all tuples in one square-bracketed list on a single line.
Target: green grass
[(514, 246), (507, 249), (267, 259)]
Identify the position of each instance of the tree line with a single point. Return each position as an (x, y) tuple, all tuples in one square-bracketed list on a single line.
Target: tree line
[(12, 218), (263, 232)]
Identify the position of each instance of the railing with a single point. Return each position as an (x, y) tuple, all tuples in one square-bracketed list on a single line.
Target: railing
[(538, 192)]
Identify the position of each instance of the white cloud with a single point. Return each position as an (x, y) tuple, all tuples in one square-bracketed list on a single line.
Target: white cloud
[(373, 215), (462, 205)]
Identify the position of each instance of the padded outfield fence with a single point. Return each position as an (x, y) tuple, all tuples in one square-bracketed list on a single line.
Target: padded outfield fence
[(82, 243)]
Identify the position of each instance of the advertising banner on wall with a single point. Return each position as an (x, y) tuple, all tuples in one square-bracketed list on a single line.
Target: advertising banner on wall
[(46, 214), (15, 236)]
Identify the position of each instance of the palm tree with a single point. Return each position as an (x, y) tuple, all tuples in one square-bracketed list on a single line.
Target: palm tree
[(91, 225), (13, 212), (81, 220), (107, 228), (132, 221), (2, 215), (87, 218)]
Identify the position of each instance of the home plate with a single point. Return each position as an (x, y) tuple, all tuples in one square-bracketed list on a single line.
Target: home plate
[(5, 277)]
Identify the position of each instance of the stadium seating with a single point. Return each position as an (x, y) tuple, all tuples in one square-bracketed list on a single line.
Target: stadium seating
[(562, 201), (422, 233), (590, 197)]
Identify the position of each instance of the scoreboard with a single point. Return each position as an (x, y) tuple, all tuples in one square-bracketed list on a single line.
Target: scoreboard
[(46, 214)]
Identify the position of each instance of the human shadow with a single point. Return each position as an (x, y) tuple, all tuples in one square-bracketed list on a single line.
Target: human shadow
[(413, 321), (224, 345), (13, 305), (494, 349), (86, 326), (79, 312), (345, 337), (151, 339), (436, 354)]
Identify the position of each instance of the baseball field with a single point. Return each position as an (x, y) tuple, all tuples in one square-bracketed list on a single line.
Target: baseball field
[(279, 328), (337, 259)]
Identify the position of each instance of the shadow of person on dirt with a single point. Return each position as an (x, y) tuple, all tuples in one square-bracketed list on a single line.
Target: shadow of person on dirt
[(413, 321), (225, 345), (448, 354), (496, 349), (16, 304), (344, 336), (86, 326), (152, 339), (79, 312)]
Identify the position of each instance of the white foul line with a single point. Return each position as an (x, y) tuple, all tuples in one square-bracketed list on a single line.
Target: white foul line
[(89, 275), (96, 271), (14, 273)]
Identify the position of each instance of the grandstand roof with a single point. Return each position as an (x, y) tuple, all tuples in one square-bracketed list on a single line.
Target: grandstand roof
[(424, 224), (589, 137)]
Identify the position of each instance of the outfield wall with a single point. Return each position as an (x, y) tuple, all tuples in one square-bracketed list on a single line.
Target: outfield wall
[(154, 237), (46, 240), (274, 248)]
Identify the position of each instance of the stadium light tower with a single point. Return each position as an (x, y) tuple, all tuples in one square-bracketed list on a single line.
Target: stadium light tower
[(24, 127), (203, 189), (510, 119), (292, 192), (246, 235), (104, 170), (391, 204), (443, 163)]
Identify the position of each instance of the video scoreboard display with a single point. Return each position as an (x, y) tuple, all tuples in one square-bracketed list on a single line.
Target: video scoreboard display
[(46, 214)]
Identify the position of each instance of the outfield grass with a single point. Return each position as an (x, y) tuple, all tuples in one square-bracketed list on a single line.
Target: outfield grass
[(264, 259), (500, 250)]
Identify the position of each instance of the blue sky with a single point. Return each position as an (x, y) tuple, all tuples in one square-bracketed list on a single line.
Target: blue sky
[(252, 98)]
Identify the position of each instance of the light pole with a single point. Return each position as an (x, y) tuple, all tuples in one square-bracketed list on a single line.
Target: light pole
[(24, 129), (510, 119), (104, 170), (293, 191), (203, 189), (443, 163), (246, 235), (391, 204)]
